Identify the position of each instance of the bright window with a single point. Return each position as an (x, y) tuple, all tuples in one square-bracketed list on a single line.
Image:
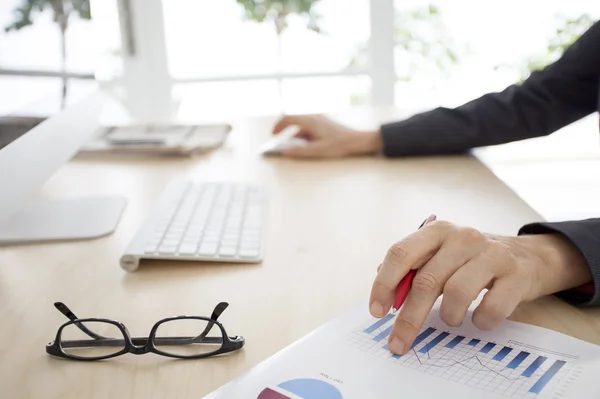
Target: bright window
[(492, 40)]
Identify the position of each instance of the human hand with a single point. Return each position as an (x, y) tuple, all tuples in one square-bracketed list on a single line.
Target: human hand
[(327, 139), (460, 262)]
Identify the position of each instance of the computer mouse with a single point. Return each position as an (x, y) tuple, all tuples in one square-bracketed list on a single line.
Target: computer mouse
[(277, 145)]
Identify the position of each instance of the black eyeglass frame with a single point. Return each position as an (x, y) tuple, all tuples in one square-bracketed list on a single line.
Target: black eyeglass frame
[(141, 345)]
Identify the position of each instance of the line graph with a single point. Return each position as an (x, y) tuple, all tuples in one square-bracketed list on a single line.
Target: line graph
[(512, 369), (463, 363)]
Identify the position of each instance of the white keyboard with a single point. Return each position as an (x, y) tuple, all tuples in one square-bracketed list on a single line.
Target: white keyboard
[(217, 222)]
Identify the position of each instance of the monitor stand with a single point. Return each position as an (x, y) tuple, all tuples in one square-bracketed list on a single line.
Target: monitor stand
[(61, 220)]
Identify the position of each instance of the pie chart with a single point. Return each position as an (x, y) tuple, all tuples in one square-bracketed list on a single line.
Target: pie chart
[(305, 388)]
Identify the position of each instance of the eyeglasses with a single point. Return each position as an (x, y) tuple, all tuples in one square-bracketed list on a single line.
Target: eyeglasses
[(182, 337)]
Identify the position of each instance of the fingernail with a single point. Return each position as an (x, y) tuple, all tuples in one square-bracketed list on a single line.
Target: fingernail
[(377, 309), (396, 346)]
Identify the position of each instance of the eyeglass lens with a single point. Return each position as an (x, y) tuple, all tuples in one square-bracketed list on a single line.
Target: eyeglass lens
[(75, 342), (188, 337)]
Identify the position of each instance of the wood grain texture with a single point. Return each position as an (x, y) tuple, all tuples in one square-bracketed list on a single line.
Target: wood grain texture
[(329, 225)]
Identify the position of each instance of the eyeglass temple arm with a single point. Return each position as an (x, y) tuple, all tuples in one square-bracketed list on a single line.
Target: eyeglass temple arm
[(64, 309), (219, 309)]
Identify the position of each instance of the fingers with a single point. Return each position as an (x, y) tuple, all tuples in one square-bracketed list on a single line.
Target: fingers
[(302, 121), (499, 302), (426, 288), (410, 253), (413, 313), (283, 123), (303, 134), (463, 287)]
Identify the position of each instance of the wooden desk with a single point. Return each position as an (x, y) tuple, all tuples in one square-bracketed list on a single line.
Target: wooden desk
[(329, 226)]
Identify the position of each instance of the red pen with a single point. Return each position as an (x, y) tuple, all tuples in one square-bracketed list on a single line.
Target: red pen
[(406, 282)]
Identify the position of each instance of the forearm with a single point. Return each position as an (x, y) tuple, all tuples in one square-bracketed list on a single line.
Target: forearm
[(575, 255), (566, 266), (517, 113)]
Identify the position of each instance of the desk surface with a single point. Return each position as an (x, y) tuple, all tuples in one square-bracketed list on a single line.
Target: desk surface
[(329, 225)]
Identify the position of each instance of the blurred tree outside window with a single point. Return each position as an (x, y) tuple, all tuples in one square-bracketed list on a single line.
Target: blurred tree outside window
[(424, 43), (277, 12), (423, 40), (568, 30), (424, 46), (62, 11)]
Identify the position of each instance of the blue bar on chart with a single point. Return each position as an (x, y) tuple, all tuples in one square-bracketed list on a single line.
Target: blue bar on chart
[(545, 379), (430, 345), (534, 366), (474, 342), (387, 348), (455, 341), (487, 348), (502, 354), (516, 362), (378, 323), (384, 334), (422, 336)]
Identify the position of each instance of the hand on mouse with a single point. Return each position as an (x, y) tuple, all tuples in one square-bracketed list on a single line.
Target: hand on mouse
[(327, 139), (460, 262)]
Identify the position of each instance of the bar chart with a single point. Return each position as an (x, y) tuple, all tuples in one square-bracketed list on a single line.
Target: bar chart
[(511, 369)]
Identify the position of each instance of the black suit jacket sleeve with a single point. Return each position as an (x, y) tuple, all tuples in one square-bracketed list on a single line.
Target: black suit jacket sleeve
[(550, 99)]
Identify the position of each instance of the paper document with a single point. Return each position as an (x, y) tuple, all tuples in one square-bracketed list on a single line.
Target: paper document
[(348, 358)]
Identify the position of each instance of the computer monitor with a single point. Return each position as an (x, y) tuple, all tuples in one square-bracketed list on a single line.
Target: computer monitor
[(29, 160)]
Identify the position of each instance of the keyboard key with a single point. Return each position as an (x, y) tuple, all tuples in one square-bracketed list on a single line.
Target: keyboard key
[(250, 240), (207, 249), (170, 243), (161, 229), (248, 253), (153, 242), (227, 251), (167, 249), (188, 249), (250, 245), (173, 237), (251, 237), (150, 249), (158, 235)]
